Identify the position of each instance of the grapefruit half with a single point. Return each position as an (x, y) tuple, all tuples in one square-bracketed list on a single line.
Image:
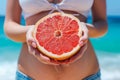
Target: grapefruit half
[(57, 35)]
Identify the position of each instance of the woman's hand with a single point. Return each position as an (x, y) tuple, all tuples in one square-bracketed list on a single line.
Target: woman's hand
[(83, 45), (84, 38), (32, 48)]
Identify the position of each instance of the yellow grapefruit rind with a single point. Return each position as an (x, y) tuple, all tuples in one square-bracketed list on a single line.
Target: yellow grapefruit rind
[(50, 54)]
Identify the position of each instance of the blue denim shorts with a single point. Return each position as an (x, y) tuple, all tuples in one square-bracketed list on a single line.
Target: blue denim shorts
[(22, 76)]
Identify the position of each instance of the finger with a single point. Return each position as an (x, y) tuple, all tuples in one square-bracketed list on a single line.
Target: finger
[(29, 33), (30, 39), (32, 43), (44, 57), (84, 31), (31, 50), (83, 27), (81, 43), (84, 36)]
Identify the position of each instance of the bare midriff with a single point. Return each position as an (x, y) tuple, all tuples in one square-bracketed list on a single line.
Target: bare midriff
[(29, 65)]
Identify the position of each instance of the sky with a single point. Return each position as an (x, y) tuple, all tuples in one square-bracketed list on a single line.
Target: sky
[(113, 7)]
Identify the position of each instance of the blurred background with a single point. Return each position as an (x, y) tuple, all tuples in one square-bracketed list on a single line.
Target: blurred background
[(107, 48)]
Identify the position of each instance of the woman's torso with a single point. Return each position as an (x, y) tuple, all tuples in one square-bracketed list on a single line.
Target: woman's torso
[(78, 70)]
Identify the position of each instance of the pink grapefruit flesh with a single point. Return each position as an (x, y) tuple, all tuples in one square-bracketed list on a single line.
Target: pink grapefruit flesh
[(57, 35)]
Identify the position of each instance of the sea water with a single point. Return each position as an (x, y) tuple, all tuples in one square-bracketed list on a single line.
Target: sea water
[(107, 49)]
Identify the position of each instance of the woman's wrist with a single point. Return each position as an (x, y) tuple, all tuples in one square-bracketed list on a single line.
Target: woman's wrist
[(91, 29), (93, 32), (97, 29), (27, 28), (21, 35)]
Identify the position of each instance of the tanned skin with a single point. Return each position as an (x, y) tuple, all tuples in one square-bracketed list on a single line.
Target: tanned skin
[(40, 67)]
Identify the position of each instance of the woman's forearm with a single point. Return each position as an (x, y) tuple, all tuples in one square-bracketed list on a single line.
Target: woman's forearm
[(97, 29), (15, 31)]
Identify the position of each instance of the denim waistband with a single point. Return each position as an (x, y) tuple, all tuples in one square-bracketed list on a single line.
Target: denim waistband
[(96, 76), (22, 76)]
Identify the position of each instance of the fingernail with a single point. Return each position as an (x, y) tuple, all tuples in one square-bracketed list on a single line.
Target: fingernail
[(34, 44), (81, 43), (81, 38), (29, 41)]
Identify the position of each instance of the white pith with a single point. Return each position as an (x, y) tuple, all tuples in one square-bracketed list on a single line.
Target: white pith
[(63, 56)]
